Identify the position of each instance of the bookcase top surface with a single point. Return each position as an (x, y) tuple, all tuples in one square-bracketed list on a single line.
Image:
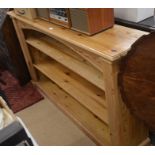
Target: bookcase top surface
[(110, 44)]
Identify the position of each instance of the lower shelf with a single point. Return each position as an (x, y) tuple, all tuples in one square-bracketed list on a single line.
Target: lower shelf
[(89, 123)]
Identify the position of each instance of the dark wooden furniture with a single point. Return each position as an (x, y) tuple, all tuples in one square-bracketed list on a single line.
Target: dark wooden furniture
[(137, 79), (11, 56)]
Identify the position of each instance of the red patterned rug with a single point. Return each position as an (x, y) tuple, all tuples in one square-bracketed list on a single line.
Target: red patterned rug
[(19, 97)]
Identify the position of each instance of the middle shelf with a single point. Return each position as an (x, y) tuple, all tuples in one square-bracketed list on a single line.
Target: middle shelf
[(68, 58)]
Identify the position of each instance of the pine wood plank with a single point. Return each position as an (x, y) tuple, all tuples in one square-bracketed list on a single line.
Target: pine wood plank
[(86, 71), (87, 94), (90, 124)]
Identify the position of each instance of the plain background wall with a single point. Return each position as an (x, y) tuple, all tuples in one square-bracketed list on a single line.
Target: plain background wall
[(133, 14)]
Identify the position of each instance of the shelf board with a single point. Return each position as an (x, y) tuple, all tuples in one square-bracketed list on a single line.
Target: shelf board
[(90, 124), (85, 70), (87, 94)]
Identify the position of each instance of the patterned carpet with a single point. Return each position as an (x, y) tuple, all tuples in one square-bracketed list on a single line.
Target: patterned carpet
[(17, 96)]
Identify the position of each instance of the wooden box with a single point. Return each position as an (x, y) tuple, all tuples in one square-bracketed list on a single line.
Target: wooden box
[(91, 20), (26, 12)]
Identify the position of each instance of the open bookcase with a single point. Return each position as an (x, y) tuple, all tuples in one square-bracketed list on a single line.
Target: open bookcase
[(73, 84), (78, 74)]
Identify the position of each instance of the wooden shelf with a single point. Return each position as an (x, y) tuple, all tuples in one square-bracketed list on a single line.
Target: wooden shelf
[(85, 70), (87, 94), (89, 123), (81, 76)]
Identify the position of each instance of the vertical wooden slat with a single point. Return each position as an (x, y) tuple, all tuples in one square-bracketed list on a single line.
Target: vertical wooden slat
[(25, 49), (125, 128)]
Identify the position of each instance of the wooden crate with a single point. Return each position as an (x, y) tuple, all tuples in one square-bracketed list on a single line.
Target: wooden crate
[(79, 74)]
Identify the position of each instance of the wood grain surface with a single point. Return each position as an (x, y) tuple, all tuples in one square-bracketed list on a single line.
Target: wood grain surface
[(110, 44), (98, 54), (137, 79)]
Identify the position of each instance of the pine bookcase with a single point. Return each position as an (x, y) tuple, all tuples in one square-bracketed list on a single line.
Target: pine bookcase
[(78, 73)]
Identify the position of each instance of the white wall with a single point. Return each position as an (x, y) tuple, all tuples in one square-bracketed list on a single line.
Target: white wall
[(144, 13), (133, 14)]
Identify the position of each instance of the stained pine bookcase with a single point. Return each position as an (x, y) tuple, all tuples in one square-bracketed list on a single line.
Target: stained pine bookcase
[(78, 73)]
